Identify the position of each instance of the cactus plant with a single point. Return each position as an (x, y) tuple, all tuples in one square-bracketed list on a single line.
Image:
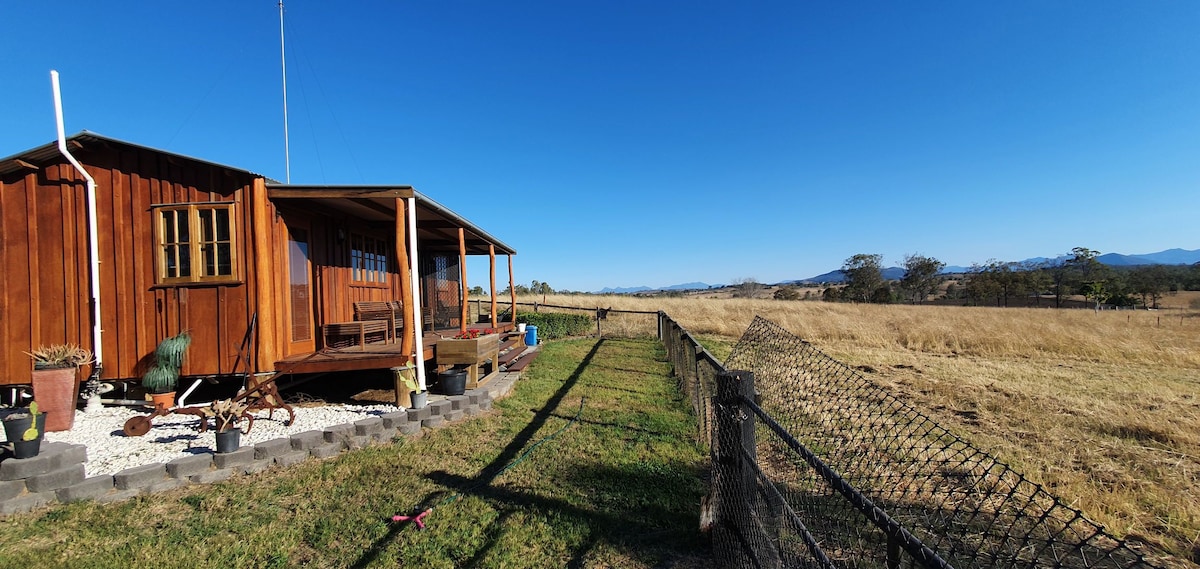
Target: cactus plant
[(31, 434)]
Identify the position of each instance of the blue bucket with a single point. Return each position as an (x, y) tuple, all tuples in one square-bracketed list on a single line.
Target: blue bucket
[(530, 335)]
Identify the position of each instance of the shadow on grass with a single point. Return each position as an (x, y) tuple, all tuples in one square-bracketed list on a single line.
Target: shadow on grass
[(624, 510), (489, 473)]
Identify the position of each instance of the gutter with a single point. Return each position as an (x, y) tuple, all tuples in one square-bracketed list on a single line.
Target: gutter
[(93, 236)]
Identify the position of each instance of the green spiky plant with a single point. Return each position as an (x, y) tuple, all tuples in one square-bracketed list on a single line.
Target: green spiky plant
[(60, 356), (31, 434), (168, 361)]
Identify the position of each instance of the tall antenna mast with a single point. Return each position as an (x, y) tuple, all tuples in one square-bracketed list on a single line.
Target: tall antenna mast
[(287, 159)]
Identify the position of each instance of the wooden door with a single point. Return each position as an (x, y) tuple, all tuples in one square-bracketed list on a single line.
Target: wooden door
[(300, 309)]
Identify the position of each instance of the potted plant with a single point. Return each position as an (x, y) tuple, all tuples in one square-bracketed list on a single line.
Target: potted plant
[(163, 375), (56, 381), (24, 428), (417, 398), (227, 413)]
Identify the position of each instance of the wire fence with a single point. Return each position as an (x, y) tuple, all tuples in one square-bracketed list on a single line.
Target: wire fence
[(609, 322), (815, 466)]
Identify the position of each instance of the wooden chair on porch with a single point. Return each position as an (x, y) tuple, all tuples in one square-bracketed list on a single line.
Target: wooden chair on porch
[(359, 331), (391, 311)]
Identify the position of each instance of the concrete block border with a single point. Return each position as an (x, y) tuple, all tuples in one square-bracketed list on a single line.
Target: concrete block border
[(55, 475)]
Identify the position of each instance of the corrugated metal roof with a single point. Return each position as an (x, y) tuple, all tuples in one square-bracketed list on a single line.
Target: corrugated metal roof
[(49, 154)]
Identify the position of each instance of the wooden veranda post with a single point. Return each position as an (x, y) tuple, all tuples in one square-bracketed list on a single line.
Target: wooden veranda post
[(512, 291), (462, 284), (264, 270), (408, 339), (492, 265)]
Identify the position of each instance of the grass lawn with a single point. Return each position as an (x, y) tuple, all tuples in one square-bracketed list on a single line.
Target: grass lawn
[(619, 487)]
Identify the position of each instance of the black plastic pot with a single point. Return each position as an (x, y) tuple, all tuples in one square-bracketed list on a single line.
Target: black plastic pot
[(14, 429), (229, 440), (453, 382)]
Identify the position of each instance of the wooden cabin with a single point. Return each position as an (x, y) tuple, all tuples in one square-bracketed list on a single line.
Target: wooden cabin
[(264, 276)]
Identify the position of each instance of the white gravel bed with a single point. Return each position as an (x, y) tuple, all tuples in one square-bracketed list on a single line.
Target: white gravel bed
[(109, 451)]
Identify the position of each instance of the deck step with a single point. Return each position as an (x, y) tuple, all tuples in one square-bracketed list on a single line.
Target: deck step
[(521, 362), (511, 355)]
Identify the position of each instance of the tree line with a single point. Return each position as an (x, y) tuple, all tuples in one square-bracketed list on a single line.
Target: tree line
[(998, 282)]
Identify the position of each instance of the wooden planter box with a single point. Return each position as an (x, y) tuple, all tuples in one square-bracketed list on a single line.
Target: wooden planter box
[(479, 355)]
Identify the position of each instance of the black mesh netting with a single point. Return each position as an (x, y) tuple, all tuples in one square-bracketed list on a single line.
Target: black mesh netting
[(835, 471)]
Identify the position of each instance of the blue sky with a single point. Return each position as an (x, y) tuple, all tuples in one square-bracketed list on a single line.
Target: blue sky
[(626, 143)]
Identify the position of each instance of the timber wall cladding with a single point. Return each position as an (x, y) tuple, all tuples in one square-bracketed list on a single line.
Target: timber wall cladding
[(44, 217), (335, 291)]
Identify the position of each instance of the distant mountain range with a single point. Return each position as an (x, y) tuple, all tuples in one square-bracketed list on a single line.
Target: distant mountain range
[(636, 289), (1168, 257)]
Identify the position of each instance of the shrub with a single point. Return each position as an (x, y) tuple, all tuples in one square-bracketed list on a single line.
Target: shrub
[(552, 325)]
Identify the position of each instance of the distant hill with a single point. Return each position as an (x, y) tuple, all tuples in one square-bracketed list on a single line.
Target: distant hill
[(691, 286), (1168, 257), (637, 289), (889, 273), (1171, 257), (623, 290)]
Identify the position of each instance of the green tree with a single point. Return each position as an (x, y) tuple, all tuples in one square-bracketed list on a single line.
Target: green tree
[(981, 284), (476, 291), (1036, 279), (831, 294), (920, 277), (787, 293), (1088, 275), (746, 288), (1150, 282), (864, 275)]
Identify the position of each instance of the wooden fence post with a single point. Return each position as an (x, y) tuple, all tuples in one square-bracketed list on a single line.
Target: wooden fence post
[(737, 541)]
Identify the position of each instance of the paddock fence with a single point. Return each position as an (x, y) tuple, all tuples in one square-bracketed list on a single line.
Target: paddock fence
[(609, 322), (813, 465)]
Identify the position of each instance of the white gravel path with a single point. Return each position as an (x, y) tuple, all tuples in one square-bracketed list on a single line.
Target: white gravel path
[(110, 451)]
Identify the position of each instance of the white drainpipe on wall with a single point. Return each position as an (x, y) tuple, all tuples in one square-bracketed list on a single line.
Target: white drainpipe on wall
[(414, 283), (93, 246)]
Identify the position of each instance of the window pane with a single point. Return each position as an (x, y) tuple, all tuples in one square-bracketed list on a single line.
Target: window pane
[(224, 260), (210, 261), (168, 222), (206, 225), (185, 262), (170, 264), (222, 223), (184, 236)]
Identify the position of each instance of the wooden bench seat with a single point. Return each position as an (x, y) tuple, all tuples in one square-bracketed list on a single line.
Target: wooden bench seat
[(391, 311), (359, 329)]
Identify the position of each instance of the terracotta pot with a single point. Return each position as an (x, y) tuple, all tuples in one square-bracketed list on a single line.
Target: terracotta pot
[(57, 392), (163, 401)]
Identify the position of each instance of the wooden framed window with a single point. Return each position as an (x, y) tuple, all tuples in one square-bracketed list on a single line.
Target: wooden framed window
[(196, 243), (368, 259)]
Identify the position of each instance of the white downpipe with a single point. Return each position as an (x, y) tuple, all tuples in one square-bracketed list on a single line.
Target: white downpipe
[(414, 283), (93, 237)]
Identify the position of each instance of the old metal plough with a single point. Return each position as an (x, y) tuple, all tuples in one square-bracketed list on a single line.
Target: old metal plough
[(257, 395)]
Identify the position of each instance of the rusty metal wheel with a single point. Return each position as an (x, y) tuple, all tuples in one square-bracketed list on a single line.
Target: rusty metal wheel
[(137, 426)]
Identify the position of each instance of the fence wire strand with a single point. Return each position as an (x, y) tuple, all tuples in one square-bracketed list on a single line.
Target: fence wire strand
[(949, 504)]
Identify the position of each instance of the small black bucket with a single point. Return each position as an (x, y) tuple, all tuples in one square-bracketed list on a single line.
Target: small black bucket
[(453, 381), (229, 440)]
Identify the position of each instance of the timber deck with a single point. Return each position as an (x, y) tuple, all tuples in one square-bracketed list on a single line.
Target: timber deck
[(372, 355)]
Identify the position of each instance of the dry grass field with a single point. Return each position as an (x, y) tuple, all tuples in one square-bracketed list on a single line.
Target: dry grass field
[(1102, 408)]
